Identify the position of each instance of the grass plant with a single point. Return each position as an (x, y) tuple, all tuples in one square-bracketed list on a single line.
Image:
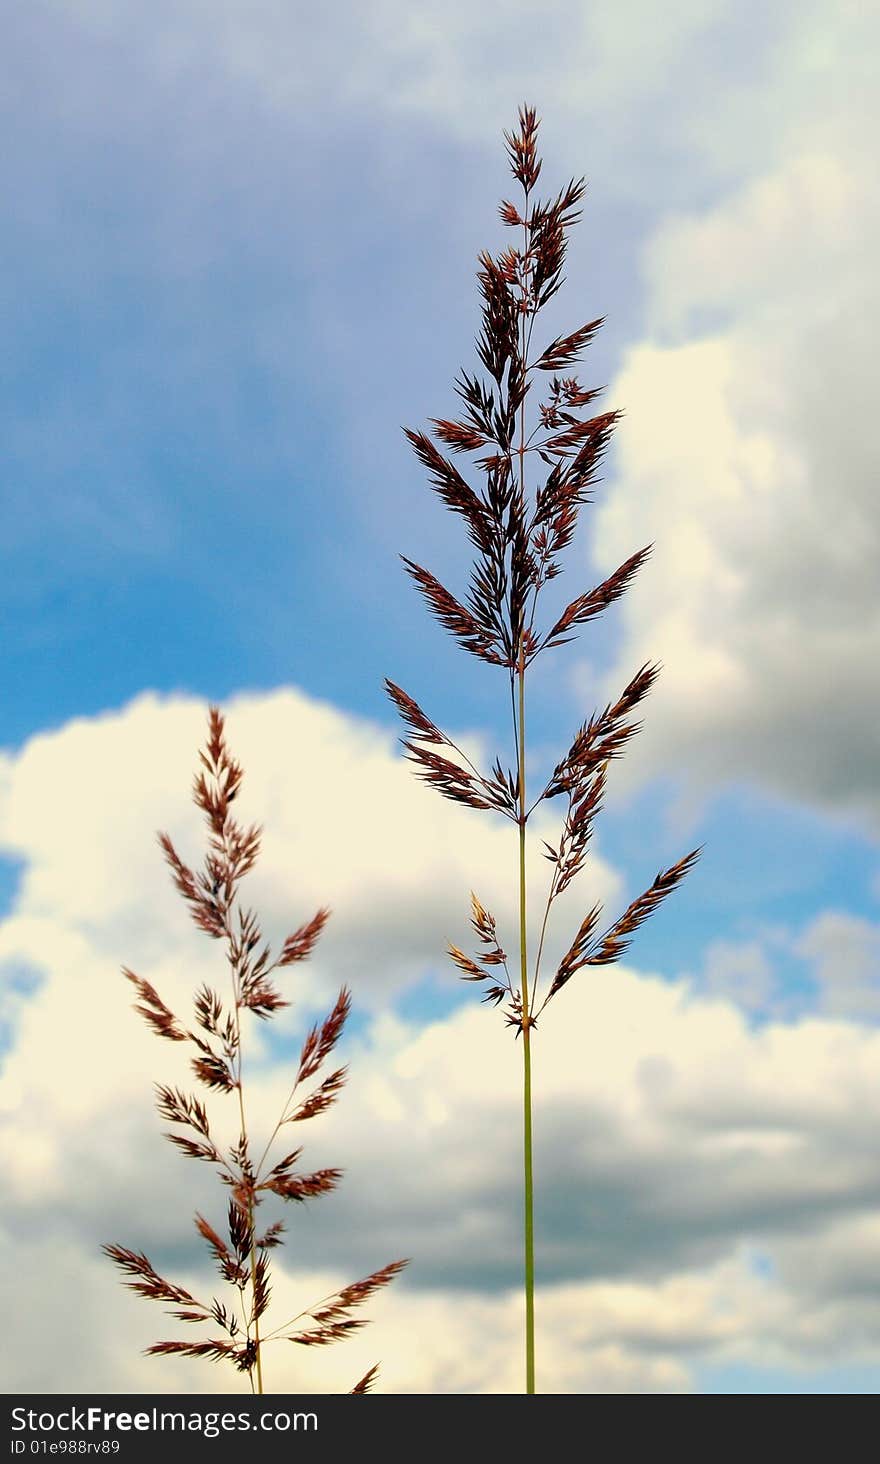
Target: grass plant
[(527, 427), (251, 1171)]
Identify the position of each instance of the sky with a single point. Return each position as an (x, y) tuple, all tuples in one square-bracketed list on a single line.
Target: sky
[(239, 246)]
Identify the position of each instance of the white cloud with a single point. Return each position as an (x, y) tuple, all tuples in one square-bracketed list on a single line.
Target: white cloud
[(744, 457), (668, 1131), (346, 825), (771, 104), (673, 1141), (741, 971), (830, 966), (845, 951), (704, 81)]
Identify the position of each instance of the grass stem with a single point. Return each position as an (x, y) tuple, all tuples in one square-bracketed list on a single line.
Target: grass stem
[(528, 1180)]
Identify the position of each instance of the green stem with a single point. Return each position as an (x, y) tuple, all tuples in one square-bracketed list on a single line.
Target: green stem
[(257, 1342), (236, 998), (529, 1214), (251, 1225), (528, 1180)]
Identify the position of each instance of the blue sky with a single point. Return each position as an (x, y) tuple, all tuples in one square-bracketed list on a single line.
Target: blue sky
[(239, 251)]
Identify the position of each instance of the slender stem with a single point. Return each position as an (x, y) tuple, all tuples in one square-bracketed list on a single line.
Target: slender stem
[(520, 725), (528, 1179), (236, 999), (263, 1157), (251, 1230), (529, 1213), (515, 722), (309, 1312), (541, 939), (257, 1344)]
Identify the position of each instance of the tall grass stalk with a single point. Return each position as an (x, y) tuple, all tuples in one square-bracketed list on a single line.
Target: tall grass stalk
[(530, 405), (245, 1167)]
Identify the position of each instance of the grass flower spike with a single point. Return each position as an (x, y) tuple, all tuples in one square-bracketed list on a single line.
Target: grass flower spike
[(528, 411), (252, 1174)]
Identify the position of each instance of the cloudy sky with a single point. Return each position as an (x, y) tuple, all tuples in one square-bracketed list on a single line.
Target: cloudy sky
[(239, 243)]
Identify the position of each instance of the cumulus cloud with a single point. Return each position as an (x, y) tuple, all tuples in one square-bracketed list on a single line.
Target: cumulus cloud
[(741, 971), (830, 966), (844, 951), (684, 1159), (761, 113), (345, 825), (708, 1190), (744, 455), (639, 109)]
